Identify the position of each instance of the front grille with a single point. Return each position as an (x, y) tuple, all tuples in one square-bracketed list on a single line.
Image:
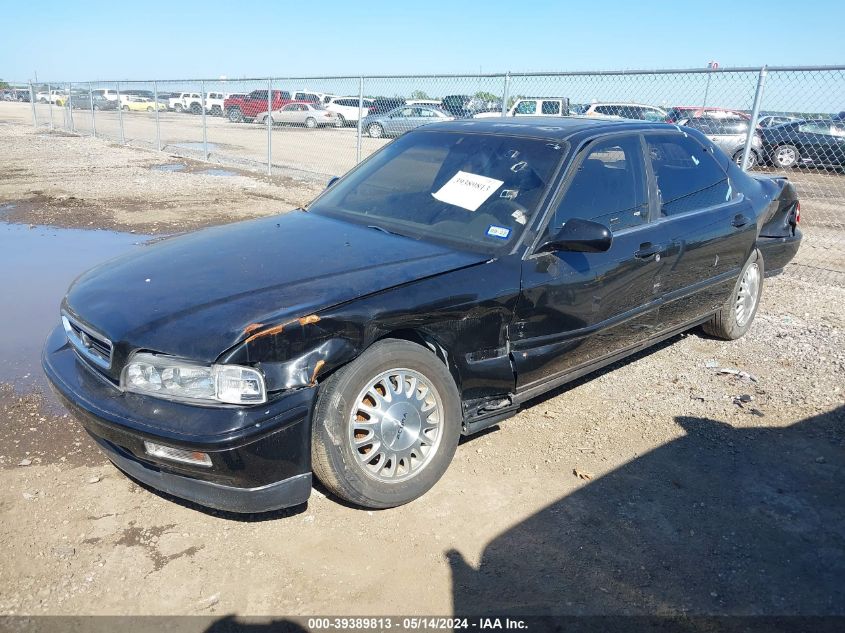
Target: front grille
[(90, 345)]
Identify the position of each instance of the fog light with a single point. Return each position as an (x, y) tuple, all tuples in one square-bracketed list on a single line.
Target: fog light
[(177, 454)]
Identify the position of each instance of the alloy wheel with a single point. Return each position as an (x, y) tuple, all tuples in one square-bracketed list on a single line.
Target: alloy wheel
[(396, 425), (749, 290)]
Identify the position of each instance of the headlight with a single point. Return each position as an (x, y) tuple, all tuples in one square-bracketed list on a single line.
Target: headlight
[(175, 379)]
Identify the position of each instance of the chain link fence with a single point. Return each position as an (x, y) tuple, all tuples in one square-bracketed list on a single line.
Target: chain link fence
[(318, 127)]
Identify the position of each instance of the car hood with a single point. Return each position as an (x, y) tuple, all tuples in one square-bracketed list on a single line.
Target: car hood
[(194, 296)]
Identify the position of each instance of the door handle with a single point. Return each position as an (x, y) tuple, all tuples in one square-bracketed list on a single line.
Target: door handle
[(648, 250), (739, 221)]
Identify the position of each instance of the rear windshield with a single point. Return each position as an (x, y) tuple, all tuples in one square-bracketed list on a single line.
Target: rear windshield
[(470, 191)]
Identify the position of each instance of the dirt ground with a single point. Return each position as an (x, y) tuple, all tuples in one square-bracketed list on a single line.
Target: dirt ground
[(699, 477)]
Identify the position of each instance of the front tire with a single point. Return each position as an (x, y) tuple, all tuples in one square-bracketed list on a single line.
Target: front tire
[(178, 107), (752, 158), (386, 425), (311, 123), (235, 115), (375, 130), (735, 316)]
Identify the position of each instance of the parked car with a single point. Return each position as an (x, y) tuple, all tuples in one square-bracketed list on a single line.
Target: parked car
[(192, 102), (626, 111), (772, 120), (304, 113), (818, 143), (533, 106), (381, 105), (677, 113), (346, 108), (451, 278), (22, 94), (311, 96), (131, 103), (106, 93), (730, 136), (85, 101), (246, 108), (401, 119), (214, 102)]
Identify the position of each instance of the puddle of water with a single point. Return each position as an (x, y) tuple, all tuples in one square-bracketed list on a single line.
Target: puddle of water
[(217, 172), (169, 167), (196, 146), (38, 265)]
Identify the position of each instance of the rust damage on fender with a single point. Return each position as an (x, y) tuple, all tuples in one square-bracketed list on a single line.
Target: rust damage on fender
[(276, 329), (316, 371)]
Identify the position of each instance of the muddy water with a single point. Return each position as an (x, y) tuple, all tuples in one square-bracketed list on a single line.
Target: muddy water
[(37, 265)]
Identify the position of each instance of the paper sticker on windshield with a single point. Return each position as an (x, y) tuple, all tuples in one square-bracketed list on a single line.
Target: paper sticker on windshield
[(500, 232), (466, 190)]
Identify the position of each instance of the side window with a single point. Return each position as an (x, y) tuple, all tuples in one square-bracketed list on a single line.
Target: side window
[(815, 127), (609, 187), (526, 107), (551, 107), (606, 110), (688, 176)]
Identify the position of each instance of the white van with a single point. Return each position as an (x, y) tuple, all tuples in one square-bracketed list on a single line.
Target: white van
[(533, 106), (105, 93)]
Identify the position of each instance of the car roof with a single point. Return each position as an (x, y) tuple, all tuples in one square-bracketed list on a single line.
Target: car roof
[(557, 128)]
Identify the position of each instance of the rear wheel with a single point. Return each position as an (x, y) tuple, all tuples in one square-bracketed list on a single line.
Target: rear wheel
[(786, 156), (386, 426), (341, 120), (216, 110), (375, 130), (752, 158), (196, 108), (126, 108), (149, 108), (734, 317), (235, 115), (178, 107), (311, 122)]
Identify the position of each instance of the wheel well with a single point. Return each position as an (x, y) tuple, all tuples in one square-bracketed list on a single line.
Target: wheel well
[(430, 343)]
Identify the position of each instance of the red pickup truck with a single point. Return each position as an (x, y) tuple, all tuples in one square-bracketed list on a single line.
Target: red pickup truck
[(246, 108)]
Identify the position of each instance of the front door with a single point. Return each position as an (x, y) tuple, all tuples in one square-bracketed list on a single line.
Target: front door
[(577, 308)]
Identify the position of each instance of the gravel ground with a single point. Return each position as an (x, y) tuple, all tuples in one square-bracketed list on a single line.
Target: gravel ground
[(93, 184), (697, 477)]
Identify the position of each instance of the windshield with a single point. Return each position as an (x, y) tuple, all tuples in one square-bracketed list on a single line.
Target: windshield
[(472, 191)]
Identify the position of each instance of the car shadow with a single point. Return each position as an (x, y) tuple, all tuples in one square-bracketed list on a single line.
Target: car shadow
[(724, 520)]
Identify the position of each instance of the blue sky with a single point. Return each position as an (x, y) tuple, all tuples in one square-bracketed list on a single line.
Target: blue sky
[(175, 39)]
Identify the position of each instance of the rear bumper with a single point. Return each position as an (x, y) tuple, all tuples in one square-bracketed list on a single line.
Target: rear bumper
[(778, 251), (260, 456)]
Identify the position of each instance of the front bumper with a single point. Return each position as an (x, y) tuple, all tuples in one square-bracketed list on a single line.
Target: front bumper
[(261, 455)]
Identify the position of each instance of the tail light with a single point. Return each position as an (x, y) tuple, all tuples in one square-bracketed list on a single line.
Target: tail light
[(797, 212)]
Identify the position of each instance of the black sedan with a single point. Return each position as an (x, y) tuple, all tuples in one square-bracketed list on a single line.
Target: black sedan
[(818, 143), (462, 270)]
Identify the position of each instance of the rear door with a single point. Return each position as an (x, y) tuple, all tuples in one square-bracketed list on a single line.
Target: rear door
[(577, 308), (711, 227)]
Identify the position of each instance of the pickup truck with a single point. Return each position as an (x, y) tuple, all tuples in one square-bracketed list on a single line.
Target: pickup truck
[(182, 102), (246, 108), (54, 96), (214, 102)]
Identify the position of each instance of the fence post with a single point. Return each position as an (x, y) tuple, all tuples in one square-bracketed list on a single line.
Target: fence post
[(755, 115), (204, 127), (32, 104), (270, 127), (120, 113), (360, 116), (69, 107), (50, 101), (93, 115), (158, 124), (506, 94)]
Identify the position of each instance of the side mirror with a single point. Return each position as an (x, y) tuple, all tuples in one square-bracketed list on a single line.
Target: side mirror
[(331, 181), (580, 236)]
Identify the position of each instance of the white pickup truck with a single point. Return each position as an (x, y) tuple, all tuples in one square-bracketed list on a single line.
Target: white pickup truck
[(54, 96), (214, 103), (185, 102)]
